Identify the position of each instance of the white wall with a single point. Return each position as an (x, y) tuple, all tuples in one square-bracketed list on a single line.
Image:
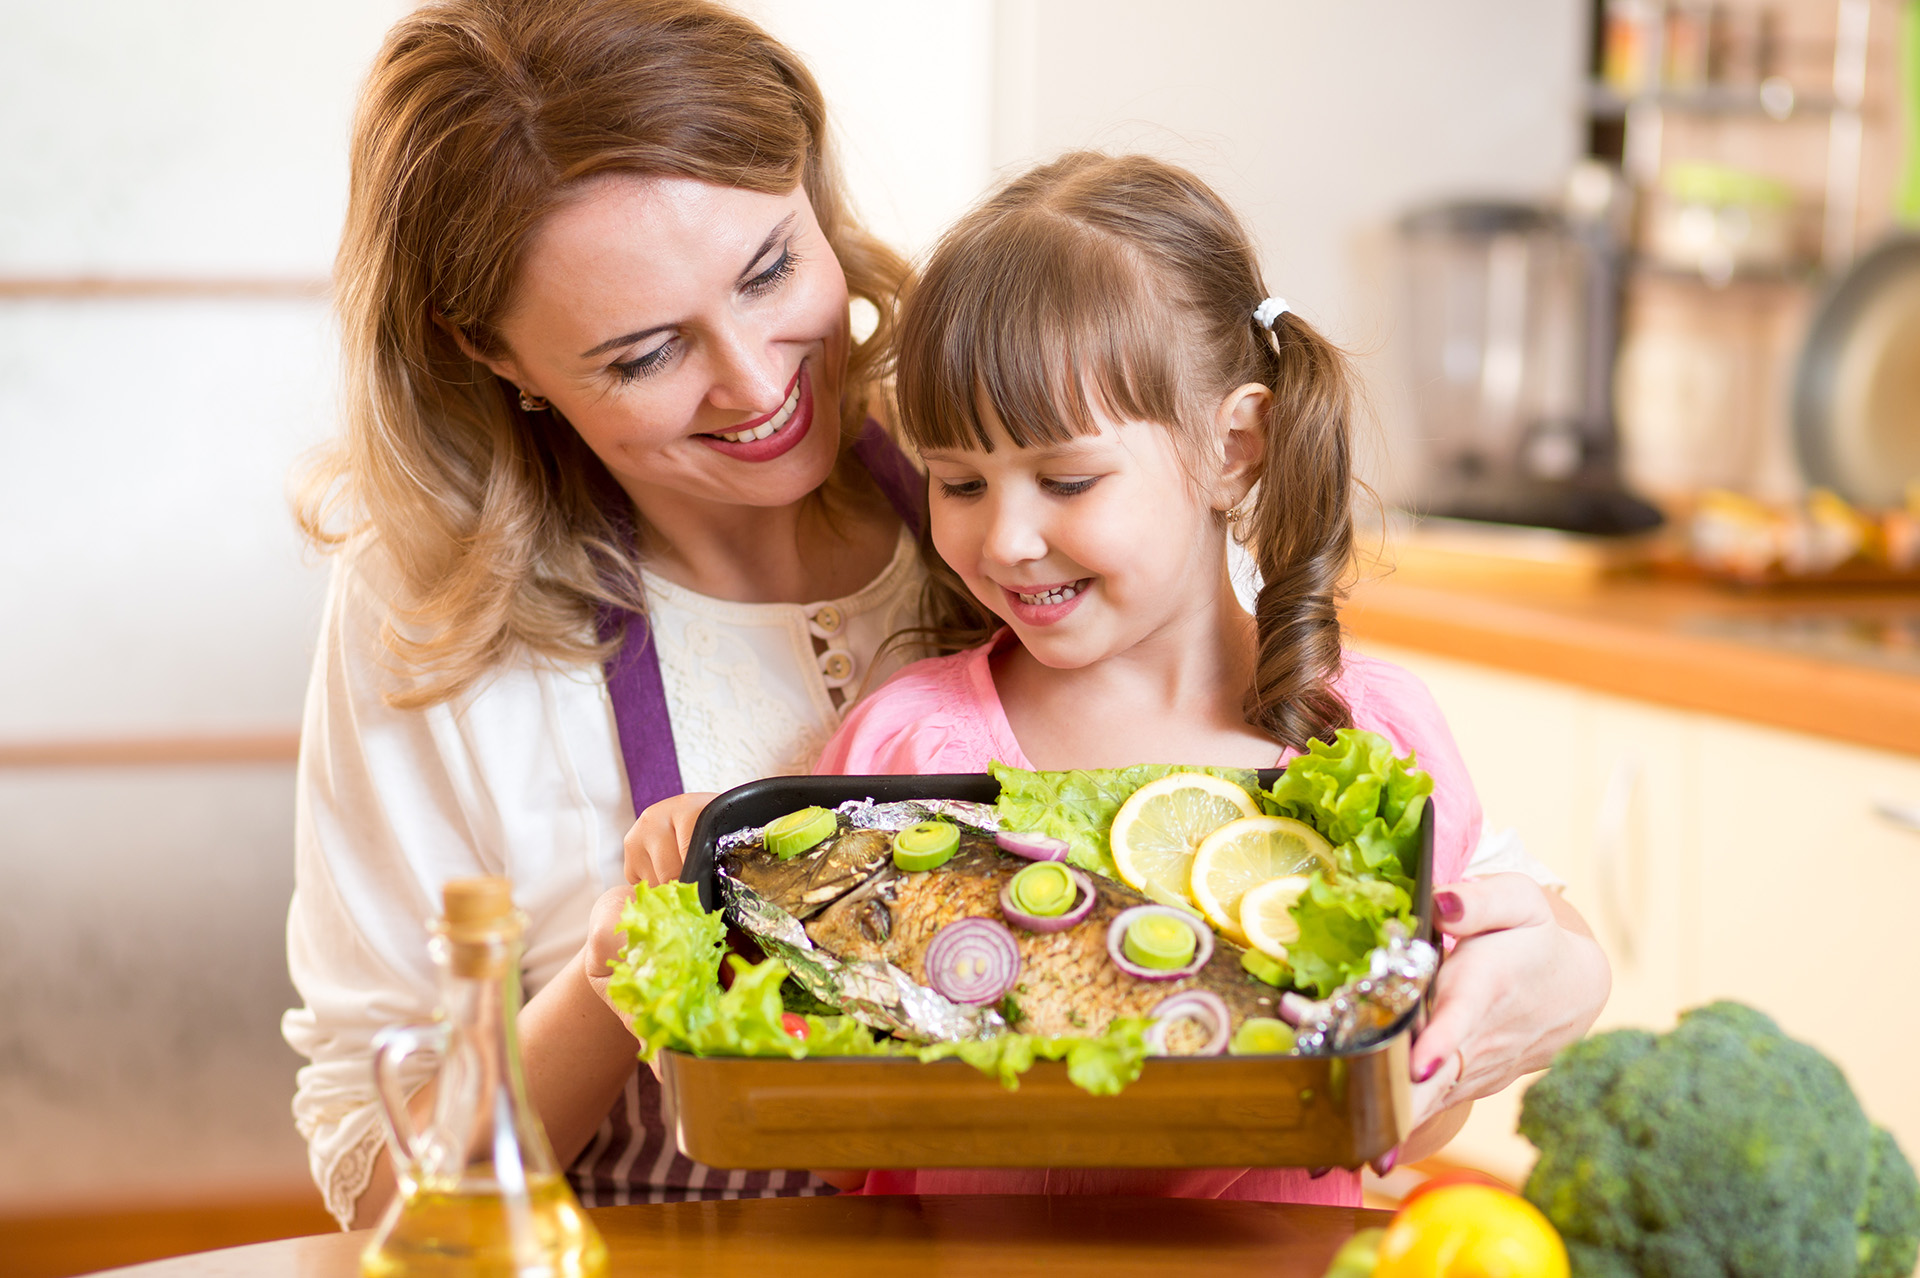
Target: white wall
[(1320, 122)]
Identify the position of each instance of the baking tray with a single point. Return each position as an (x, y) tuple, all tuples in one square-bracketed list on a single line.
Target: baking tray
[(1222, 1111)]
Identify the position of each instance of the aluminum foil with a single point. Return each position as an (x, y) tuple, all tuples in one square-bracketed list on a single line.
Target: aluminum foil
[(865, 814), (872, 992), (1363, 1011)]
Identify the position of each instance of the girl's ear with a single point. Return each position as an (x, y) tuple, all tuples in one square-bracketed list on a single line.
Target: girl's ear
[(1240, 432), (503, 368)]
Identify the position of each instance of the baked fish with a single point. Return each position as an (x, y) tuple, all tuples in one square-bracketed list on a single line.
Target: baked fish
[(857, 904)]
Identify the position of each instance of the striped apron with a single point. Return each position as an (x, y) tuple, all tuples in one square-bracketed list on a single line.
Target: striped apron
[(633, 1157)]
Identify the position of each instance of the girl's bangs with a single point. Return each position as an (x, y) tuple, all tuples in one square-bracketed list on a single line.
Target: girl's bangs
[(1036, 322)]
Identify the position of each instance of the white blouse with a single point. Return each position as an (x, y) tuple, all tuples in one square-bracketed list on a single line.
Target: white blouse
[(519, 776)]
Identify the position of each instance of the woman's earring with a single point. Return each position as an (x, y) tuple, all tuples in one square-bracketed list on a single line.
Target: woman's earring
[(532, 403)]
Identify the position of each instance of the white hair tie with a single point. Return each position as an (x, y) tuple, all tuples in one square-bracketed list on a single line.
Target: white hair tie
[(1270, 310)]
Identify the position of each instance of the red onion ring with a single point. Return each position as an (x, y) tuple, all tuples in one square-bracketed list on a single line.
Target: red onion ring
[(1034, 847), (1117, 935), (1082, 906), (973, 961), (1201, 1005)]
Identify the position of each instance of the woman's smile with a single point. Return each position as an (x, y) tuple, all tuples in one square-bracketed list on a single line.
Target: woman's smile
[(770, 435)]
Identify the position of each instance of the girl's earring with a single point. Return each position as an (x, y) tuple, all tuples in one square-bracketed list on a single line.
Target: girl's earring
[(532, 403), (1238, 514)]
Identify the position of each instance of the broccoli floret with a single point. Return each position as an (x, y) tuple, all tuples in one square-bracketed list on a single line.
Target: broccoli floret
[(1723, 1148), (1889, 1219)]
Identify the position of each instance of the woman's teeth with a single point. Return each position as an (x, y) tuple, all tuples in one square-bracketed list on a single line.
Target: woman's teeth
[(1059, 594), (768, 427)]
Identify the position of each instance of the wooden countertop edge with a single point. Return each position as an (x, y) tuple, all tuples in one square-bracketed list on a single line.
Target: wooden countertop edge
[(1846, 703)]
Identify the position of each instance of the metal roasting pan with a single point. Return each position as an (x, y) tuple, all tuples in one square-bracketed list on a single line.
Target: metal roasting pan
[(1224, 1111)]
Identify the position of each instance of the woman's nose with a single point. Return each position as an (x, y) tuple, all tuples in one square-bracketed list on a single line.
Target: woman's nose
[(749, 372)]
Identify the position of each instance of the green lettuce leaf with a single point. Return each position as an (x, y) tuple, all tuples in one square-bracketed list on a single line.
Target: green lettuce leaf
[(1363, 798), (667, 984), (1341, 921), (1101, 1064), (1079, 806)]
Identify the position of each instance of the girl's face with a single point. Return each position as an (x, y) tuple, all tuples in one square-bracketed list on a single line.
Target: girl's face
[(1087, 549), (694, 335)]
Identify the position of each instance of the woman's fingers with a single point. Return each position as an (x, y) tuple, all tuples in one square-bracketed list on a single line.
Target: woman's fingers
[(656, 844), (604, 938), (1499, 901)]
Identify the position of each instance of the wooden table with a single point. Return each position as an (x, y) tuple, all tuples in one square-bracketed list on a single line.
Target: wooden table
[(1005, 1236)]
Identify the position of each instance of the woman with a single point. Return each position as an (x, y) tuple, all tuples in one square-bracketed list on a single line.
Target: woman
[(594, 288)]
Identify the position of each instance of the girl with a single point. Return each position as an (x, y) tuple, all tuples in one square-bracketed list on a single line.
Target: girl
[(1102, 391)]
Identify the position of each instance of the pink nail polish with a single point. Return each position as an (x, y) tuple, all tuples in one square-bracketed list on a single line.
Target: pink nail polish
[(1317, 1172), (1427, 1071), (1448, 906), (1385, 1162)]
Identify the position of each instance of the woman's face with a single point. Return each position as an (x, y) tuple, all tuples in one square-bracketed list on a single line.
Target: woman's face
[(694, 335)]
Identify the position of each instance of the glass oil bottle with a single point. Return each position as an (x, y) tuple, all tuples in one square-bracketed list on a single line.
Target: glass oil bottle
[(480, 1195)]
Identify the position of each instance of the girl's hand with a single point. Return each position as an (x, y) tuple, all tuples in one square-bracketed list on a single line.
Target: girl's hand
[(657, 844), (1525, 980)]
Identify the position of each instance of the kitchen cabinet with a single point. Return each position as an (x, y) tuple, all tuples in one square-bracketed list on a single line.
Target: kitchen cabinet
[(1715, 859)]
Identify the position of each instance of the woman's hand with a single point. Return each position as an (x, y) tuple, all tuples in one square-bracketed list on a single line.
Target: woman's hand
[(657, 844), (605, 940), (1526, 979)]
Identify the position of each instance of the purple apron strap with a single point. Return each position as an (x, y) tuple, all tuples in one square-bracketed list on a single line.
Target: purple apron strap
[(902, 483), (633, 673)]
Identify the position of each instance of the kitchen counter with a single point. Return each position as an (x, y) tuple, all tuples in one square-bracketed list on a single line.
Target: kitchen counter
[(1841, 664), (1009, 1236)]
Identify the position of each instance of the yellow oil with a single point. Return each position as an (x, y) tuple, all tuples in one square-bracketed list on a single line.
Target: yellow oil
[(466, 1233)]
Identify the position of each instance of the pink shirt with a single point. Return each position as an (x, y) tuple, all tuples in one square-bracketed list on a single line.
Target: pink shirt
[(944, 715)]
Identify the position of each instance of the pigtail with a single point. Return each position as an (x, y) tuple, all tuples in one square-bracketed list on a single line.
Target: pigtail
[(1300, 534)]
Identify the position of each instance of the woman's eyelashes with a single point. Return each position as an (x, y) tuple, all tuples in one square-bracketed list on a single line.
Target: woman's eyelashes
[(660, 356), (645, 365), (775, 275)]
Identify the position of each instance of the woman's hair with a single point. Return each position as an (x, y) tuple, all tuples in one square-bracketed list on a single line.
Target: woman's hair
[(1125, 281), (480, 117)]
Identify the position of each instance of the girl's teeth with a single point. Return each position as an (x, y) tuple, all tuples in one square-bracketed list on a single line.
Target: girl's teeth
[(1059, 594), (769, 426)]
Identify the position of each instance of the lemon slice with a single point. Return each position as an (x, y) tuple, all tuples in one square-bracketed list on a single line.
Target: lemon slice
[(1265, 919), (1246, 854), (1157, 829)]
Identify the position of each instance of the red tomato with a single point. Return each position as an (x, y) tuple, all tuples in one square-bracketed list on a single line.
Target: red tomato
[(794, 1024)]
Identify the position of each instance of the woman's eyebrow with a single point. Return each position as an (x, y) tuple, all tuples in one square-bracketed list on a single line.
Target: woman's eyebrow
[(628, 339)]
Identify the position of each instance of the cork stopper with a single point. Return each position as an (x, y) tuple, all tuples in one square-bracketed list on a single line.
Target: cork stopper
[(475, 903), (479, 922)]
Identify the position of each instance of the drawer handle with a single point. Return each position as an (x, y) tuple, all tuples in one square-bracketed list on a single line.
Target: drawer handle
[(1903, 816)]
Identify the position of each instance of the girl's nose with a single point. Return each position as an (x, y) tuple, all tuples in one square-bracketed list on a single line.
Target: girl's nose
[(1014, 535), (750, 374)]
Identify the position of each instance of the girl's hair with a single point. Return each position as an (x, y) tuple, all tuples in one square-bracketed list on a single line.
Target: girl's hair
[(1125, 281), (481, 117)]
